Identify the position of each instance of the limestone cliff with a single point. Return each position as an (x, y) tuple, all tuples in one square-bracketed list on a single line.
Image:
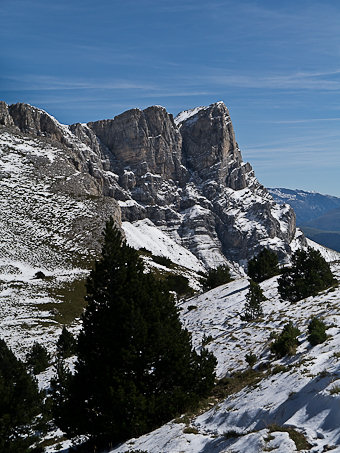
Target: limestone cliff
[(186, 175)]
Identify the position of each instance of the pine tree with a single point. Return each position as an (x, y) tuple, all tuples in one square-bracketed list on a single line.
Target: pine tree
[(38, 358), (254, 298), (20, 404), (308, 275), (66, 344), (263, 266), (317, 331), (287, 342), (218, 276), (135, 368)]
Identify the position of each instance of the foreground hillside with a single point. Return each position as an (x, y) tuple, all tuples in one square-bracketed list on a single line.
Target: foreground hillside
[(290, 400)]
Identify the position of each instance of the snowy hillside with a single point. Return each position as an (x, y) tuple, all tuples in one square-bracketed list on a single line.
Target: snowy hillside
[(301, 392), (49, 223)]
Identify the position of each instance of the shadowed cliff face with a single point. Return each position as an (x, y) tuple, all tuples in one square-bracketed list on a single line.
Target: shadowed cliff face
[(186, 175), (142, 141), (210, 150)]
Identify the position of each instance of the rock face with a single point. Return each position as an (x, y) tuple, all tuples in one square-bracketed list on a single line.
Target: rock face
[(185, 174), (52, 206), (210, 149)]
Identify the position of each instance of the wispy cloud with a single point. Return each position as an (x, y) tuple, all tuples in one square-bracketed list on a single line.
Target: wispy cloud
[(48, 83), (320, 81), (145, 90), (306, 121)]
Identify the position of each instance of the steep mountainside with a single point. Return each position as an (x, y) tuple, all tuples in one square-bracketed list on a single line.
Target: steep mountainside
[(179, 188), (316, 214), (184, 177)]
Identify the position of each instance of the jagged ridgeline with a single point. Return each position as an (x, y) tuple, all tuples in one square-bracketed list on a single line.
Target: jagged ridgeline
[(186, 175)]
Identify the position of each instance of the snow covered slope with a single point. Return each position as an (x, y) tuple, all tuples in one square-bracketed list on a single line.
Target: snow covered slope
[(301, 392), (144, 234), (49, 222)]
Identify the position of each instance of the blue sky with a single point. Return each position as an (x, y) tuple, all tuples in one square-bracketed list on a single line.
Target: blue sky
[(276, 65)]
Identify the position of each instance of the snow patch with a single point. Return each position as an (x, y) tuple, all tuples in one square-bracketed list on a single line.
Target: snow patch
[(144, 233)]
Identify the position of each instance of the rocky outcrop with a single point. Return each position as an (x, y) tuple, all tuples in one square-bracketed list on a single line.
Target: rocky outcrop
[(33, 121), (209, 146), (188, 177), (142, 141), (185, 174), (5, 117)]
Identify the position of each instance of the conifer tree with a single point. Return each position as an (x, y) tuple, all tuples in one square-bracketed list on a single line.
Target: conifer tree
[(317, 331), (66, 344), (308, 275), (263, 266), (218, 276), (254, 298), (136, 367), (38, 358), (287, 342), (20, 403)]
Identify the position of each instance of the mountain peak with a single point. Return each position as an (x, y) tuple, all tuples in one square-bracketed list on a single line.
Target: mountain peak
[(187, 114), (189, 179)]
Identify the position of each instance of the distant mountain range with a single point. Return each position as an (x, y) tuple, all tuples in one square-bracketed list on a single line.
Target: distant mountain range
[(317, 215)]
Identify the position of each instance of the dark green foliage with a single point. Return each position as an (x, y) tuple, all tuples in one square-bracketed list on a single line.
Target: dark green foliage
[(317, 331), (254, 298), (218, 276), (206, 339), (20, 403), (39, 274), (251, 359), (308, 275), (38, 358), (66, 344), (136, 368), (177, 283), (162, 260), (287, 342), (60, 390), (263, 266)]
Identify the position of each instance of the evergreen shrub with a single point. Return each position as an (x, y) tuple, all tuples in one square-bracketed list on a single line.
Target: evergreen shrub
[(38, 359), (263, 266), (287, 342), (254, 298), (251, 359), (20, 404), (178, 283), (308, 275), (162, 260), (66, 344), (216, 277), (317, 331), (136, 368)]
